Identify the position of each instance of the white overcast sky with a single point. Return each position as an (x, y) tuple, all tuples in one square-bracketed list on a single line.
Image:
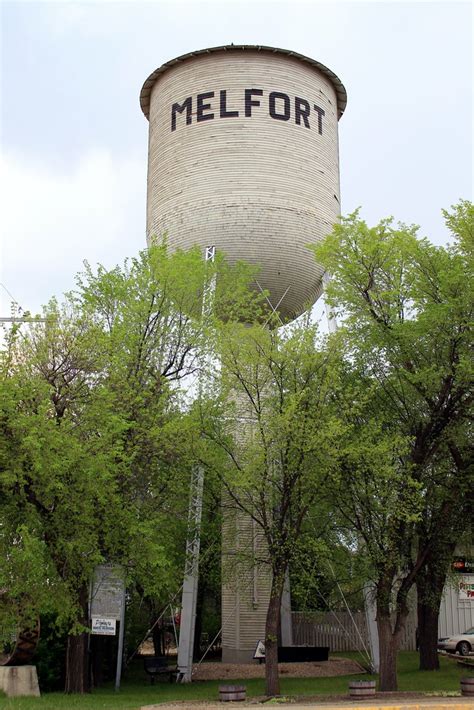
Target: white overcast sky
[(74, 141)]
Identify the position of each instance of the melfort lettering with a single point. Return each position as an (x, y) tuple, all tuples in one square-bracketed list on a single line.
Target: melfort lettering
[(280, 107), (187, 104)]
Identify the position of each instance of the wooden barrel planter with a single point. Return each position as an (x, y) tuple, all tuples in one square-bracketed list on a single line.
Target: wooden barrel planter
[(228, 693), (361, 689), (467, 687)]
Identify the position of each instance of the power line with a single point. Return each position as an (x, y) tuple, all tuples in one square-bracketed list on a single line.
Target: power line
[(11, 296), (20, 319), (25, 319)]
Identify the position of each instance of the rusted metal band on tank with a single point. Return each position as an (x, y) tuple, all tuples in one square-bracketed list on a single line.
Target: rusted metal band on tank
[(333, 78)]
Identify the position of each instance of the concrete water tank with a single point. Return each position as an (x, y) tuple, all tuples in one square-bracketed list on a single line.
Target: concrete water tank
[(243, 155)]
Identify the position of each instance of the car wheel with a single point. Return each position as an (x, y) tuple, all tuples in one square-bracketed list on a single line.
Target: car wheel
[(464, 648)]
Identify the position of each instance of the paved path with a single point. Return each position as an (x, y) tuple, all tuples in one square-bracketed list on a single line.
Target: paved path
[(422, 704)]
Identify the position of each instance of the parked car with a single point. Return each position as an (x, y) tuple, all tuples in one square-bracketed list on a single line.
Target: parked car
[(461, 643)]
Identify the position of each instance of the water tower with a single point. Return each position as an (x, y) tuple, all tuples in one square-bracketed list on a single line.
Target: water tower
[(243, 156)]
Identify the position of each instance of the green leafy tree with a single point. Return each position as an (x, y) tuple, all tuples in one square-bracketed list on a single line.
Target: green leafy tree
[(53, 463), (94, 455), (96, 443), (406, 309), (271, 440), (449, 505)]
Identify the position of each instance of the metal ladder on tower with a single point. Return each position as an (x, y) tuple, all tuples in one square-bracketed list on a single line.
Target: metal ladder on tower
[(193, 541)]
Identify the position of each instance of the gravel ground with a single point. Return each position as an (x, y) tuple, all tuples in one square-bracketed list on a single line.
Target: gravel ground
[(228, 671), (417, 702), (381, 701)]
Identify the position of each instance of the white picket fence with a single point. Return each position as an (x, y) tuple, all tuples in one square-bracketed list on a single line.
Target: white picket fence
[(341, 632)]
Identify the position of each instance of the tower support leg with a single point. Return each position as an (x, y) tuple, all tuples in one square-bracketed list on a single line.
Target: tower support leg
[(191, 576)]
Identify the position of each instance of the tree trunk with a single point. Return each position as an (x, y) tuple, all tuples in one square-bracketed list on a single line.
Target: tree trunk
[(77, 660), (429, 587), (388, 644), (77, 671), (272, 680), (97, 661), (428, 636)]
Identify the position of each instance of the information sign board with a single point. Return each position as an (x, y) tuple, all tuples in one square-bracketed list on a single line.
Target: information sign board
[(107, 592), (103, 627), (466, 588), (463, 565)]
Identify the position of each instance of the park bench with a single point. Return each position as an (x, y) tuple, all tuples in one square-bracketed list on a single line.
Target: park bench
[(157, 666)]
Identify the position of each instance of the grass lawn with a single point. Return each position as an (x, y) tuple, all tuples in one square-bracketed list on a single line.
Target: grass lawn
[(137, 691)]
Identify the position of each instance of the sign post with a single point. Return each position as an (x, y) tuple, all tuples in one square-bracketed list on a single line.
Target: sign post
[(107, 606), (118, 673)]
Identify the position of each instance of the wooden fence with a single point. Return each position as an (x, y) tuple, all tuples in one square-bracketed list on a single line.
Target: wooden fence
[(341, 632)]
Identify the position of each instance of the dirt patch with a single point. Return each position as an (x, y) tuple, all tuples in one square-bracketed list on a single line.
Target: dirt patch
[(234, 671)]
